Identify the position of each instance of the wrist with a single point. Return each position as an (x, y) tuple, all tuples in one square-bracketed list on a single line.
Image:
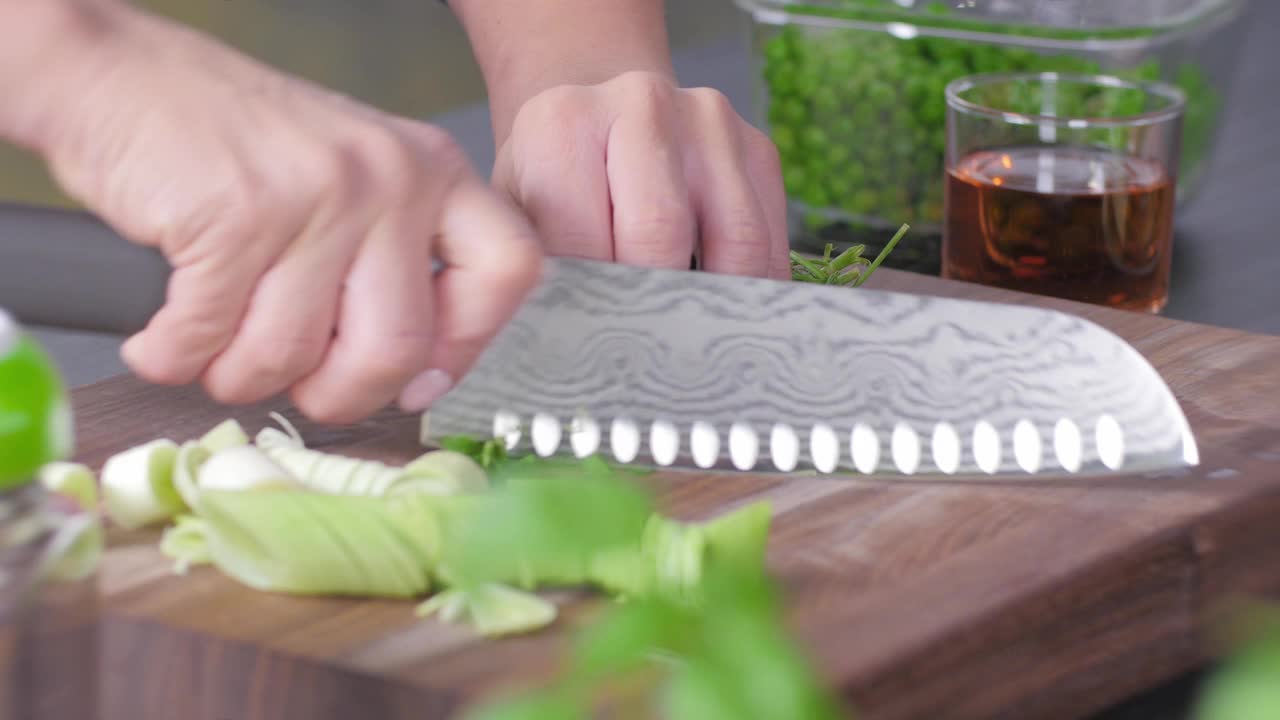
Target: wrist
[(48, 52), (525, 47)]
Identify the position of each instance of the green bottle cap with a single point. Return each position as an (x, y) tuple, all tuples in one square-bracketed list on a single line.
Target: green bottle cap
[(35, 414)]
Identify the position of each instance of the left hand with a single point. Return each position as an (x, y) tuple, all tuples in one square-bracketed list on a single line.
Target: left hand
[(639, 171)]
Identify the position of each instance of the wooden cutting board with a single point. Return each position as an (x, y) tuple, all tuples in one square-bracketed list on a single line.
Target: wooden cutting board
[(1000, 600)]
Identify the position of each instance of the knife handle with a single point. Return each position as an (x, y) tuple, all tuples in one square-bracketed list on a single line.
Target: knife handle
[(66, 268)]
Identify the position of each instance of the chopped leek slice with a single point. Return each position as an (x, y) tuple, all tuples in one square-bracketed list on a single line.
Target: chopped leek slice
[(137, 484), (226, 434), (438, 473), (186, 543), (72, 480), (313, 543)]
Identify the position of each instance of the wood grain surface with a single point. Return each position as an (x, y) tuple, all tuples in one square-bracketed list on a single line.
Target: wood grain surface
[(1021, 600)]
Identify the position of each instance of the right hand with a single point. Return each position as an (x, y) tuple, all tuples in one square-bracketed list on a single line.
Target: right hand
[(300, 225)]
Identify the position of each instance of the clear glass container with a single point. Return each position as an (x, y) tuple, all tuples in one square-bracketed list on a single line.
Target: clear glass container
[(852, 92), (48, 589), (1063, 185)]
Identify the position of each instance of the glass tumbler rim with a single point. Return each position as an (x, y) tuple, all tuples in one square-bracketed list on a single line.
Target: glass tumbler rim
[(1175, 99)]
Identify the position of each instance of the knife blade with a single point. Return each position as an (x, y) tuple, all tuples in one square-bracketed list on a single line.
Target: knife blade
[(701, 371)]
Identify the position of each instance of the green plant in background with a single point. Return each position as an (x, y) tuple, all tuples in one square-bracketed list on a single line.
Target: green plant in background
[(859, 118)]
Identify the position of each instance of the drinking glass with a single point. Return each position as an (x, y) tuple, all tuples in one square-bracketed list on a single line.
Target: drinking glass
[(1063, 185)]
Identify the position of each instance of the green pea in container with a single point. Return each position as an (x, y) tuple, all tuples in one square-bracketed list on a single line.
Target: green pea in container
[(48, 622), (852, 93)]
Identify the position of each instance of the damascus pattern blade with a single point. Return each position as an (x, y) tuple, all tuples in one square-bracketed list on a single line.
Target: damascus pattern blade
[(698, 370)]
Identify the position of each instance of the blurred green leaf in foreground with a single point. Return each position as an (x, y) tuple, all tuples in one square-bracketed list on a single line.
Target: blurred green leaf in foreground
[(1247, 685), (717, 650)]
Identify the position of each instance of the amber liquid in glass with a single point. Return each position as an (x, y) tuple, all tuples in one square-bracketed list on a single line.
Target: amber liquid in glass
[(1076, 223)]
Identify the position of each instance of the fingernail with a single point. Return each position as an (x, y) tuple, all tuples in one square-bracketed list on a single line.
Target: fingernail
[(424, 390)]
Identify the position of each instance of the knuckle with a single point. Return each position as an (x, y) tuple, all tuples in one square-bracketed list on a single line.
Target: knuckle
[(235, 207), (439, 145), (764, 151), (577, 243), (747, 235), (713, 103), (523, 263), (159, 371), (398, 358), (749, 229), (657, 229), (638, 83), (651, 98), (321, 407), (380, 153), (341, 170), (664, 239), (287, 358), (223, 392)]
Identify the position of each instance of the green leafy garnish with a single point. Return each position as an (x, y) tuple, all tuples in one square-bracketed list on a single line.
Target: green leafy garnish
[(487, 453), (849, 268)]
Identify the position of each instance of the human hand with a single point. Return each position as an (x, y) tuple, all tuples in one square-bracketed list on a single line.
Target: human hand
[(300, 225), (636, 170)]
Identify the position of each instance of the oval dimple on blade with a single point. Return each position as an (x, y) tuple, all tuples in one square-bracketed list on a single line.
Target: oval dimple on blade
[(545, 434), (1027, 447), (624, 440), (986, 447), (1110, 442), (1068, 446), (744, 446), (905, 445), (584, 435), (824, 448), (946, 448), (704, 444), (784, 447), (664, 442), (864, 446), (506, 425)]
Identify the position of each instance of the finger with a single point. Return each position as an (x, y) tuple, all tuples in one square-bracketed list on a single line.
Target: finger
[(492, 260), (553, 166), (383, 336), (203, 307), (653, 219), (289, 324), (732, 224), (764, 169)]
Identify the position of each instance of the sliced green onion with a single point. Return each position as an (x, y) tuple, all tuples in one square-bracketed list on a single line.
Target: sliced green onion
[(491, 609), (186, 542), (137, 485), (226, 434), (72, 480)]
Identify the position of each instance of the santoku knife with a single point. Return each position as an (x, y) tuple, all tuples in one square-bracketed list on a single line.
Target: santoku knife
[(697, 370)]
